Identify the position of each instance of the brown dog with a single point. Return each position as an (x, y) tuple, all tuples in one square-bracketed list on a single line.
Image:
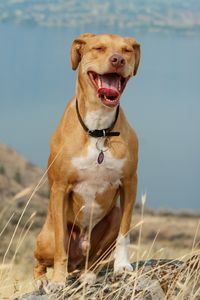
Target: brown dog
[(93, 160)]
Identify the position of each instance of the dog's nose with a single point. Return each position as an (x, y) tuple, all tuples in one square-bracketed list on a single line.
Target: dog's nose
[(117, 60)]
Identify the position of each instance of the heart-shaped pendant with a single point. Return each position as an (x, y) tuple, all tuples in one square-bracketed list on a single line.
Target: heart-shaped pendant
[(100, 157)]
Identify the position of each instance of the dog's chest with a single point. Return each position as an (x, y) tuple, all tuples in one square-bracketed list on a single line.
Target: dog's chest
[(95, 178), (98, 176)]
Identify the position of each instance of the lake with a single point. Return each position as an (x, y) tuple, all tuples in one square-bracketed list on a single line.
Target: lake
[(162, 103)]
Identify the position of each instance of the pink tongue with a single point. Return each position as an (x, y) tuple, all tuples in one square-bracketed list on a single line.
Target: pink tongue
[(109, 85)]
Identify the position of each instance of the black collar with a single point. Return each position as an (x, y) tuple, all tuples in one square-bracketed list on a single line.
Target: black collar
[(99, 132)]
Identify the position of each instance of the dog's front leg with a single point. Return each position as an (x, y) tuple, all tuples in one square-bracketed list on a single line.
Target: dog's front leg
[(58, 207), (127, 198)]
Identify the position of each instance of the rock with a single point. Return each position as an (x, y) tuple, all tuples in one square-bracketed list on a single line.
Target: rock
[(37, 295), (152, 279)]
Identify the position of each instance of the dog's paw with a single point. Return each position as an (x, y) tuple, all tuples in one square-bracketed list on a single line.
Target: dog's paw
[(120, 269), (88, 278), (54, 287), (40, 283)]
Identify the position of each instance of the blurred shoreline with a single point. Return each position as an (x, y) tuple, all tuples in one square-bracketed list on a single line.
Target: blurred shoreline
[(165, 16)]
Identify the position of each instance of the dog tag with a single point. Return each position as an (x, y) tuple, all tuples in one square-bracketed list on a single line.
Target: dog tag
[(100, 157)]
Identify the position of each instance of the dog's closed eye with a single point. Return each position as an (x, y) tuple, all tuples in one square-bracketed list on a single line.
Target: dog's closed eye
[(127, 50), (99, 48)]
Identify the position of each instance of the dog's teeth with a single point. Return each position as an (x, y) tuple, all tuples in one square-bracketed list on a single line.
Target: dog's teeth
[(99, 81), (119, 85)]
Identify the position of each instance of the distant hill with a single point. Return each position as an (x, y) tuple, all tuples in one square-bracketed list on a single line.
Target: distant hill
[(18, 178), (17, 175)]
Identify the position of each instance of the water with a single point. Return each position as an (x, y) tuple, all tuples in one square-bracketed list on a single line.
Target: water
[(161, 102)]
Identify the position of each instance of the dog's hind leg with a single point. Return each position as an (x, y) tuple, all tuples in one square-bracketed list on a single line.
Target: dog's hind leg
[(44, 253), (39, 270), (40, 275)]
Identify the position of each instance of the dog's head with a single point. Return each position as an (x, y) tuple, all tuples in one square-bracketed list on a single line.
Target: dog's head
[(107, 62)]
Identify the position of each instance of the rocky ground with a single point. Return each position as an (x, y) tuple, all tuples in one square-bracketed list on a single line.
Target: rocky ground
[(152, 279), (154, 235)]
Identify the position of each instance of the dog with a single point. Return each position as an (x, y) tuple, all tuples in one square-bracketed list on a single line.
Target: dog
[(93, 161)]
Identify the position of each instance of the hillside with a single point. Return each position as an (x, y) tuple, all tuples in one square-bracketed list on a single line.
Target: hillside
[(18, 178)]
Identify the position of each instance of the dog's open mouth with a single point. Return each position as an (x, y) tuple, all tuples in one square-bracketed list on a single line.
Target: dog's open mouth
[(109, 87)]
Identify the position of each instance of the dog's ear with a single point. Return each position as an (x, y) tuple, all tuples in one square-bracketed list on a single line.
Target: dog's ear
[(76, 52), (77, 47), (136, 48)]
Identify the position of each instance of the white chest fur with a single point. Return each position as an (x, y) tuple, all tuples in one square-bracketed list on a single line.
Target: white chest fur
[(94, 178)]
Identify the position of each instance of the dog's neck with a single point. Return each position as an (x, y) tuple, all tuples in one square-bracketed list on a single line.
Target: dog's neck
[(94, 114)]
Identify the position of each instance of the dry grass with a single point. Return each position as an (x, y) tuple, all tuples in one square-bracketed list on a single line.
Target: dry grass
[(152, 237)]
